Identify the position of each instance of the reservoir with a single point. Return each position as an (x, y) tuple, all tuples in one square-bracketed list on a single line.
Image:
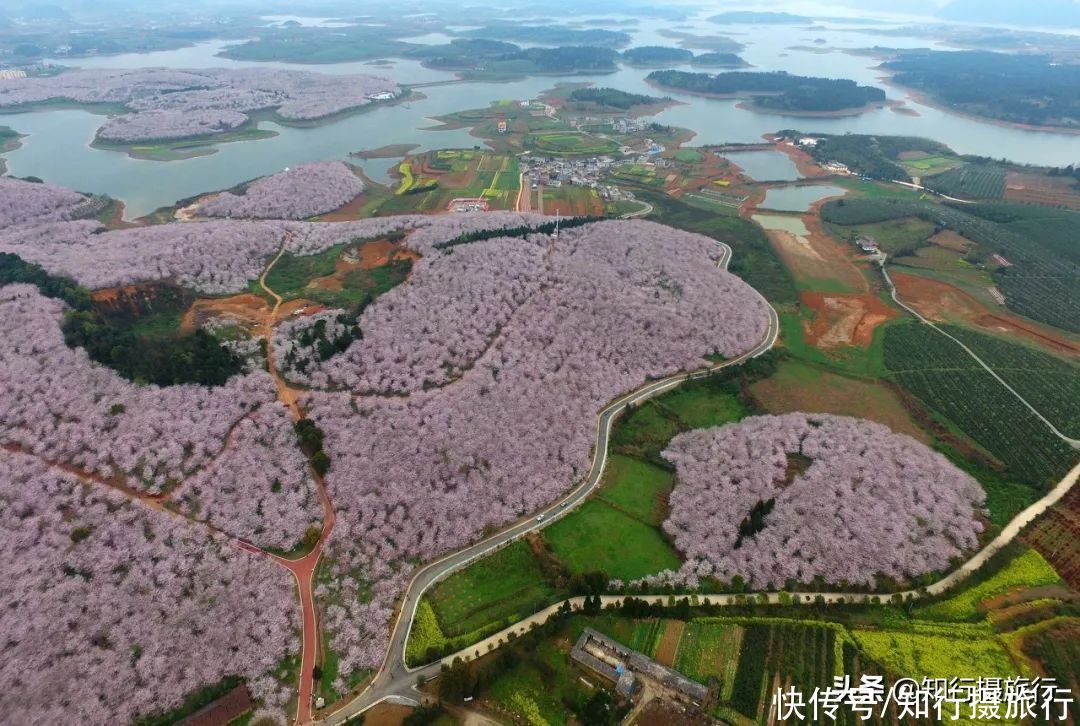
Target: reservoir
[(57, 149), (800, 198), (764, 166)]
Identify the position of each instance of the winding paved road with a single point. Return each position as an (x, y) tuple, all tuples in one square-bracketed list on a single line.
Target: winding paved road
[(394, 681), (643, 212)]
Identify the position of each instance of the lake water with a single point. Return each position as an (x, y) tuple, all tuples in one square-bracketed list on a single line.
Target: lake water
[(765, 166), (57, 147), (794, 225), (799, 199)]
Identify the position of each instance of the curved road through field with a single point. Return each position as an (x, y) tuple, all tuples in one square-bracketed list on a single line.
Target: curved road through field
[(394, 681), (881, 259)]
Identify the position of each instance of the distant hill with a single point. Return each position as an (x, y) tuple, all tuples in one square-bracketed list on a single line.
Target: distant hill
[(1053, 13), (1025, 89), (775, 91), (759, 18)]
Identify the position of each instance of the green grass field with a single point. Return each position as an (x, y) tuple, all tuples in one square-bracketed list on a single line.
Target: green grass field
[(599, 537), (291, 274), (507, 584), (688, 156), (894, 235), (568, 143), (931, 165), (636, 488)]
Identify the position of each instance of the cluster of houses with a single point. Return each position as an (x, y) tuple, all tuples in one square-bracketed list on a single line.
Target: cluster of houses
[(573, 172), (631, 672)]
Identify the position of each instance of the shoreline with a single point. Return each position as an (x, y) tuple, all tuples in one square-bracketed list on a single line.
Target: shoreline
[(749, 105), (924, 99), (387, 151), (10, 144)]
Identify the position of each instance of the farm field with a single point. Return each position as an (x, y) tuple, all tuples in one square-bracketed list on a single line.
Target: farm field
[(941, 299), (949, 382), (567, 143), (1056, 536), (431, 180), (802, 386), (922, 165), (706, 651), (817, 261), (1049, 383), (573, 201), (505, 586), (1032, 188), (1035, 242), (1056, 647), (639, 174), (941, 652), (894, 236), (1026, 570), (971, 181)]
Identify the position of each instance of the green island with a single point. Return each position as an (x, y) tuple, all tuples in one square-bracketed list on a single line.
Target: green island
[(1029, 89), (777, 91)]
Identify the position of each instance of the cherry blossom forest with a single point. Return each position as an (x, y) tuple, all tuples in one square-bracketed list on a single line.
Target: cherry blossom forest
[(297, 193), (176, 104), (869, 502), (142, 520)]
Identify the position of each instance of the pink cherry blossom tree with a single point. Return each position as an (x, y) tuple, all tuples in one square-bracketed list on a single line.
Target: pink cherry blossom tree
[(869, 502), (297, 193), (110, 610)]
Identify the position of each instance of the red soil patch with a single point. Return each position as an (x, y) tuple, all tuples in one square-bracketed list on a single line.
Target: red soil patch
[(224, 710), (952, 241), (347, 213), (246, 309), (943, 302), (112, 294), (669, 643), (367, 257), (375, 254), (843, 319)]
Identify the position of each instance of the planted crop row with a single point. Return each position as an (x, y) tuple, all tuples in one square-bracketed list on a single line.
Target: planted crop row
[(753, 657), (710, 650), (979, 181), (1050, 384), (951, 383)]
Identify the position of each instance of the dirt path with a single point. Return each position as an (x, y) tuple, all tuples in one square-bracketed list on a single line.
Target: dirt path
[(669, 643), (302, 569), (1074, 443)]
